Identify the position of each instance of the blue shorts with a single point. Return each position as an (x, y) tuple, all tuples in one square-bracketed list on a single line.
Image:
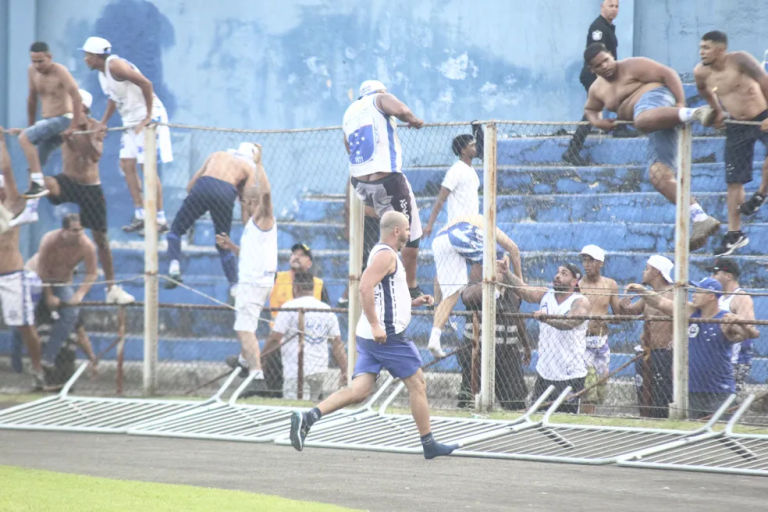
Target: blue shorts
[(398, 355), (662, 144), (46, 135)]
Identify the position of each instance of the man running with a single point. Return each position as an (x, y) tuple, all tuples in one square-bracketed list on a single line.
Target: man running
[(15, 290), (601, 292), (651, 95), (214, 188), (459, 243), (710, 345), (562, 342), (381, 341), (376, 161), (736, 301), (132, 95), (655, 384), (60, 108), (737, 84)]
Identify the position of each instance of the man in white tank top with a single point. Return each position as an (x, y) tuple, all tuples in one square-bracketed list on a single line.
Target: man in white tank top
[(376, 161), (381, 343), (132, 95), (562, 341)]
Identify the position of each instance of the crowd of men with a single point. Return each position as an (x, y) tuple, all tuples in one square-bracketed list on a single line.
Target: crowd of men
[(573, 349)]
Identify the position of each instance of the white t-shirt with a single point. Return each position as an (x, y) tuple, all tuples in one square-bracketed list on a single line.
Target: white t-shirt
[(561, 353), (463, 182), (257, 263), (127, 96), (319, 329)]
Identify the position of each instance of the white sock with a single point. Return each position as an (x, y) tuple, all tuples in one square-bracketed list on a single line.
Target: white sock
[(243, 361), (697, 213), (257, 374), (38, 178), (139, 213), (2, 181), (161, 216), (686, 114), (434, 337), (174, 267)]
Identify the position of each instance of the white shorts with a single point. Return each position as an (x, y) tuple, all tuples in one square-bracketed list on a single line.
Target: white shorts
[(249, 301), (132, 143), (16, 299), (313, 387), (451, 266)]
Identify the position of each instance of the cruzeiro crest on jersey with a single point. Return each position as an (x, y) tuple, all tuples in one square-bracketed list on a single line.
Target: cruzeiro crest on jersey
[(363, 140)]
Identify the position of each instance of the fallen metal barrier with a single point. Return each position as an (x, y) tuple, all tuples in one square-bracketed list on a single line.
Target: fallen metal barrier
[(710, 451), (68, 413)]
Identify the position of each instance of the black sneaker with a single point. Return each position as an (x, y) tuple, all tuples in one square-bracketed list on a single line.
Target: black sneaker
[(754, 204), (299, 430), (234, 362), (36, 190), (416, 292), (624, 132), (731, 241), (170, 285), (257, 387), (163, 228), (135, 225), (575, 159)]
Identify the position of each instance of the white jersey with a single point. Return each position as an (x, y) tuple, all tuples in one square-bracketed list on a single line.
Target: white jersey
[(128, 96), (319, 329), (724, 302), (372, 137), (463, 182), (392, 300), (561, 353), (257, 263)]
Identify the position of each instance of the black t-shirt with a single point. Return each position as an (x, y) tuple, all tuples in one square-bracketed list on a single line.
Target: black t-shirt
[(600, 31)]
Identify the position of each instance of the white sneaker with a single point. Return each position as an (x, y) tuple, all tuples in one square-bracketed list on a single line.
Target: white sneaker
[(28, 216), (116, 295)]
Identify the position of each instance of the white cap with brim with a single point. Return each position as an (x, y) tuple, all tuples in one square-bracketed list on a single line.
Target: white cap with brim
[(87, 98), (594, 251), (370, 87), (663, 265), (97, 45), (246, 150)]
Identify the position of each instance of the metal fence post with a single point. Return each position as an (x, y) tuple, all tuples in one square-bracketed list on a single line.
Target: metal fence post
[(356, 210), (300, 369), (679, 409), (150, 261), (488, 343)]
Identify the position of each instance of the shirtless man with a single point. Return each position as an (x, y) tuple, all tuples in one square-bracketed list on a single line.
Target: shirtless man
[(214, 188), (132, 95), (601, 292), (651, 95), (737, 84), (15, 291), (460, 242), (60, 109), (60, 252), (655, 390)]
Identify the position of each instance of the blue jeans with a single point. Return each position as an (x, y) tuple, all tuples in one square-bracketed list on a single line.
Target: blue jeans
[(63, 327), (662, 144), (46, 135)]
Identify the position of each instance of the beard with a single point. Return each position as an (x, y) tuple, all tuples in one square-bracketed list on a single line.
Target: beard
[(560, 287)]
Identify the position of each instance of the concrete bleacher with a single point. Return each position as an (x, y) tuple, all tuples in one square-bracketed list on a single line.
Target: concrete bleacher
[(550, 209)]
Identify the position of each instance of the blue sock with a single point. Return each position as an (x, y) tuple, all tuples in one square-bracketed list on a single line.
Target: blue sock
[(434, 449), (312, 416)]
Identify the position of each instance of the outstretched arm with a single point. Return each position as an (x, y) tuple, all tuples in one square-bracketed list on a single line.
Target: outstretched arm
[(265, 189), (392, 106), (31, 99), (514, 252), (79, 120), (738, 332), (441, 197), (655, 300), (593, 110), (527, 293)]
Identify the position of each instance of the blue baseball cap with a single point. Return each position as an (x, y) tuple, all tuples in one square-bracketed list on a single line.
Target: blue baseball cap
[(709, 284)]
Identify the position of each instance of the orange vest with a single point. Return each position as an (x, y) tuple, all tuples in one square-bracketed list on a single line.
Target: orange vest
[(282, 291)]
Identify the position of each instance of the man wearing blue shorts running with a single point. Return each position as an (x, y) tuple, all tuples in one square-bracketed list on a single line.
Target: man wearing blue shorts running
[(381, 341), (651, 95)]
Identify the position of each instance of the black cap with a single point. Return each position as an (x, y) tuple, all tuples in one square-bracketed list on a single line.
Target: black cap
[(726, 265), (303, 247)]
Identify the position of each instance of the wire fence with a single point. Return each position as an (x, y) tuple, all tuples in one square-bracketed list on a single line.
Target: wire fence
[(579, 217)]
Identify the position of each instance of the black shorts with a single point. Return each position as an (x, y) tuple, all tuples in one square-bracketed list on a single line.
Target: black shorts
[(569, 406), (392, 192), (740, 149), (90, 199)]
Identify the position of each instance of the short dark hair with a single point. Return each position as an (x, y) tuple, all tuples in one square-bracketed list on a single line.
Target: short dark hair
[(716, 37), (68, 219), (304, 281), (593, 50), (39, 47), (573, 269), (461, 142)]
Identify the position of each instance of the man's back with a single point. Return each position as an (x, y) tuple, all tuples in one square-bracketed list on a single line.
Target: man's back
[(319, 329), (228, 167), (372, 137)]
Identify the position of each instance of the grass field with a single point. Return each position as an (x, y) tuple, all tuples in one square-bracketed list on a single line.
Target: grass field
[(40, 491)]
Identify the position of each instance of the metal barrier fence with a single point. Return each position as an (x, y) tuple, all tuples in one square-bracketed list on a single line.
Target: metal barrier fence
[(541, 210)]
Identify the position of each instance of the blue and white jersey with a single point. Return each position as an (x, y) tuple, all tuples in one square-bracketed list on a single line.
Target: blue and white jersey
[(127, 96), (468, 240), (392, 300), (709, 358), (372, 137)]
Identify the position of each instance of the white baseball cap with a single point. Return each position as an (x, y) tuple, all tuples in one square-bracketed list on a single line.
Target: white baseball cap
[(594, 251), (97, 45), (87, 98), (663, 265), (248, 148), (370, 87)]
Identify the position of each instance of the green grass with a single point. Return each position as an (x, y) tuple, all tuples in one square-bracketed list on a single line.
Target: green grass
[(40, 491)]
